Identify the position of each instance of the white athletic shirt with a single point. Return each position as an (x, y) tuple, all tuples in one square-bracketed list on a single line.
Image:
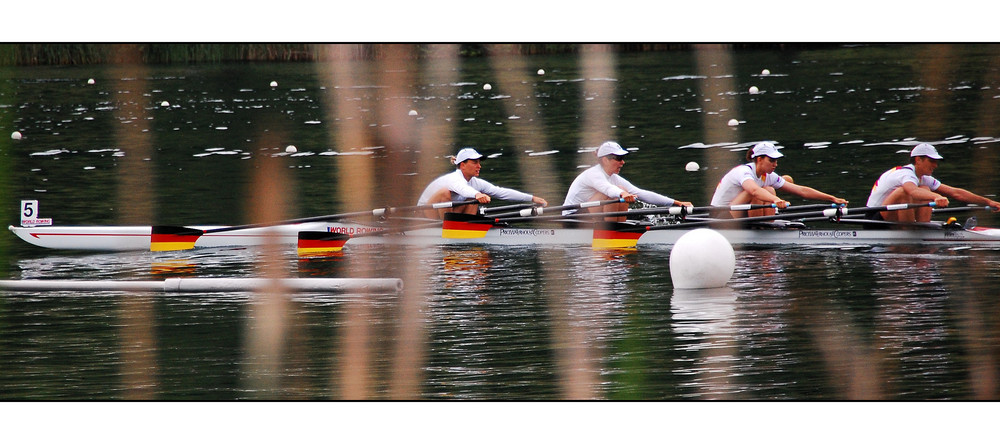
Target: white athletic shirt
[(594, 180), (462, 189), (731, 184), (895, 178)]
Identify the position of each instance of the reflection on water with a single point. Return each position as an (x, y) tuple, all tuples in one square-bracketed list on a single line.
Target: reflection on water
[(703, 321), (860, 323)]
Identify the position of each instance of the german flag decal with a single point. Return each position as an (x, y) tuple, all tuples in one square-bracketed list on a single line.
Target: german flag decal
[(465, 226), (616, 235), (321, 243), (169, 238)]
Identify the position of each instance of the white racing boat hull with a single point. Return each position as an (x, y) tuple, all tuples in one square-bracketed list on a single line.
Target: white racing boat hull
[(135, 238)]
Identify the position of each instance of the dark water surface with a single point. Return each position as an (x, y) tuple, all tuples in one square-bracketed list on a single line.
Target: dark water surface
[(494, 323)]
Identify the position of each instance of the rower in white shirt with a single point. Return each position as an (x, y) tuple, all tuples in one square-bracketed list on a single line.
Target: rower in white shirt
[(913, 183), (755, 183), (603, 182), (464, 183)]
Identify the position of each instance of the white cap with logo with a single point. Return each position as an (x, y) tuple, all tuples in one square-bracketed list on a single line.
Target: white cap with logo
[(610, 148), (925, 149), (466, 154), (765, 149)]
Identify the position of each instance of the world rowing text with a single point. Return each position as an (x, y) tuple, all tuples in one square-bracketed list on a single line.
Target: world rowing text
[(354, 230)]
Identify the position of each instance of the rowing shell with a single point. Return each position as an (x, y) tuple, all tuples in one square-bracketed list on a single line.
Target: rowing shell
[(126, 238)]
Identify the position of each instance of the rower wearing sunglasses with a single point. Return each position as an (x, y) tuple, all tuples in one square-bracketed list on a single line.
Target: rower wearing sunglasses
[(755, 183), (603, 182)]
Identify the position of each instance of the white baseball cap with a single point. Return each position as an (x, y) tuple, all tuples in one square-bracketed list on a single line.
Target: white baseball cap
[(765, 149), (466, 154), (610, 148), (925, 149)]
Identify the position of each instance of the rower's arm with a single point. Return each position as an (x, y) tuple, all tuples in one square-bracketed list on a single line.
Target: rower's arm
[(967, 196), (758, 192), (811, 193), (921, 194)]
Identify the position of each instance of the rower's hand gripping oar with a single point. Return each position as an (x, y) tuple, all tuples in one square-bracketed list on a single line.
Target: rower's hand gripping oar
[(172, 238)]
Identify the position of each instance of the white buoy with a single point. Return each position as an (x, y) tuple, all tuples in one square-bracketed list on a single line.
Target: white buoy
[(291, 149), (702, 258), (765, 72), (91, 81), (413, 112), (274, 84), (487, 87), (165, 104), (692, 166), (734, 122), (754, 90), (541, 72), (16, 135)]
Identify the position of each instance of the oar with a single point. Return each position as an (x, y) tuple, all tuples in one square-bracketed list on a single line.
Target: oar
[(538, 211), (857, 219), (965, 208), (936, 211), (862, 221), (685, 211), (171, 238), (830, 213), (453, 226), (672, 210), (488, 210)]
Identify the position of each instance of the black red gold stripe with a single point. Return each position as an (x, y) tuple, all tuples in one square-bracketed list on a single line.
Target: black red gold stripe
[(465, 226), (320, 243), (170, 238)]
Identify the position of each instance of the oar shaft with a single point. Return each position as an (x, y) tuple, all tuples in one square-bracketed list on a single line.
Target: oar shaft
[(672, 210), (960, 209), (831, 213), (378, 212), (508, 207), (539, 211), (893, 207)]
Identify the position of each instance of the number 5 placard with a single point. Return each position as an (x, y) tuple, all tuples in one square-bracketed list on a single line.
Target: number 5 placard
[(29, 214)]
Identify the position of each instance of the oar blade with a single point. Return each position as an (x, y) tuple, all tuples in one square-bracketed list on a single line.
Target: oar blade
[(321, 243), (172, 238), (465, 226), (616, 235)]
